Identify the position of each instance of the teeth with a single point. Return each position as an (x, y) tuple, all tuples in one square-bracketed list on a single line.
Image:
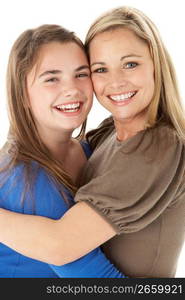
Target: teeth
[(123, 96), (71, 110), (69, 107)]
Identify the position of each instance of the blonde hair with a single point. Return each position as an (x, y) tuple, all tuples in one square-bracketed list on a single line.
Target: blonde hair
[(166, 104), (24, 144)]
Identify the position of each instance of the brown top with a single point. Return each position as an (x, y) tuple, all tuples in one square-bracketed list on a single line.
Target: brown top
[(138, 186)]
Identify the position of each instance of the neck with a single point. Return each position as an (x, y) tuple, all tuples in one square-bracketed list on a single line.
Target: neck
[(58, 143), (126, 128)]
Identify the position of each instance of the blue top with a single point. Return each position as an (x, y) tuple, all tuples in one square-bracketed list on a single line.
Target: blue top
[(45, 200)]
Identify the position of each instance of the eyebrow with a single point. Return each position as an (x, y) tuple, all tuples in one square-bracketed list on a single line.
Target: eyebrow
[(129, 55), (48, 72), (122, 58)]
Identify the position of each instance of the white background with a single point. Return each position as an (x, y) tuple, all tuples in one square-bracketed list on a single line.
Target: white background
[(77, 15)]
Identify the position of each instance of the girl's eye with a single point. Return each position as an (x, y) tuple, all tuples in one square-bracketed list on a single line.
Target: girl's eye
[(130, 65), (82, 75), (100, 70), (53, 79)]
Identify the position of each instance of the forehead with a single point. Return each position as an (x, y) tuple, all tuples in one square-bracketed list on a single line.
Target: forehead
[(60, 52), (122, 39), (58, 55)]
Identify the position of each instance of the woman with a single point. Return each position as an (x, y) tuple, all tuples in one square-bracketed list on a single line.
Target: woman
[(134, 181), (50, 95)]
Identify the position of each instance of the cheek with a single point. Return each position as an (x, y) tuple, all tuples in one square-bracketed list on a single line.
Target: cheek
[(150, 85), (97, 85), (90, 87), (87, 89), (36, 103), (146, 82), (149, 77), (32, 100)]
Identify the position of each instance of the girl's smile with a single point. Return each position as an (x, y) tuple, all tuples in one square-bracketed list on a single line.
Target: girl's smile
[(59, 88), (70, 109)]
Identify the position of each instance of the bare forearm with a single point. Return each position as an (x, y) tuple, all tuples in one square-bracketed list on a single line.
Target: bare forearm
[(32, 236), (79, 231)]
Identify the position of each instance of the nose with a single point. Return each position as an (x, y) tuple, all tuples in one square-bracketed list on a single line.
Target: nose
[(69, 88), (117, 79)]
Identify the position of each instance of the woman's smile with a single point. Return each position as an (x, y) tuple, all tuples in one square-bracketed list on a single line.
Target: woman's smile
[(123, 98), (122, 74)]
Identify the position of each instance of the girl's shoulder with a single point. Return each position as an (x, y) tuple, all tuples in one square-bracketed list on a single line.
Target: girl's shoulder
[(86, 148), (32, 190)]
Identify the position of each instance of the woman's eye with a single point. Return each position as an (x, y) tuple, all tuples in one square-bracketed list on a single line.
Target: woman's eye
[(100, 70), (130, 65)]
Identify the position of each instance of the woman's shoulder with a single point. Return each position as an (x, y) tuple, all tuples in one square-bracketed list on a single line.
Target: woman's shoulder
[(165, 137), (156, 139), (165, 130)]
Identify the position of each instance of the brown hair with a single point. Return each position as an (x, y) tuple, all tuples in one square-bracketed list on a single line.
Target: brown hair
[(24, 144)]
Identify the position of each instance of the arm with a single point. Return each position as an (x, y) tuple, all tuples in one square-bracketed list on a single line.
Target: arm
[(82, 229), (79, 231)]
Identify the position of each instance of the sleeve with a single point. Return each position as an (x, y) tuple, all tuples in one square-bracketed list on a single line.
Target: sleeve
[(93, 265), (139, 185)]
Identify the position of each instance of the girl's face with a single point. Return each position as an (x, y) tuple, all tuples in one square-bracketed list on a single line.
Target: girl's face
[(122, 74), (60, 88)]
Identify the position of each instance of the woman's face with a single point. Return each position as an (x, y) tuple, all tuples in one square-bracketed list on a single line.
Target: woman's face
[(60, 88), (122, 73)]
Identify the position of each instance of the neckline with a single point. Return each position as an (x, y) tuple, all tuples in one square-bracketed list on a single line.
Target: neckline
[(128, 140)]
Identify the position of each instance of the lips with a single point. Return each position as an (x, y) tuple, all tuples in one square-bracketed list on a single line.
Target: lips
[(69, 107), (123, 96)]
